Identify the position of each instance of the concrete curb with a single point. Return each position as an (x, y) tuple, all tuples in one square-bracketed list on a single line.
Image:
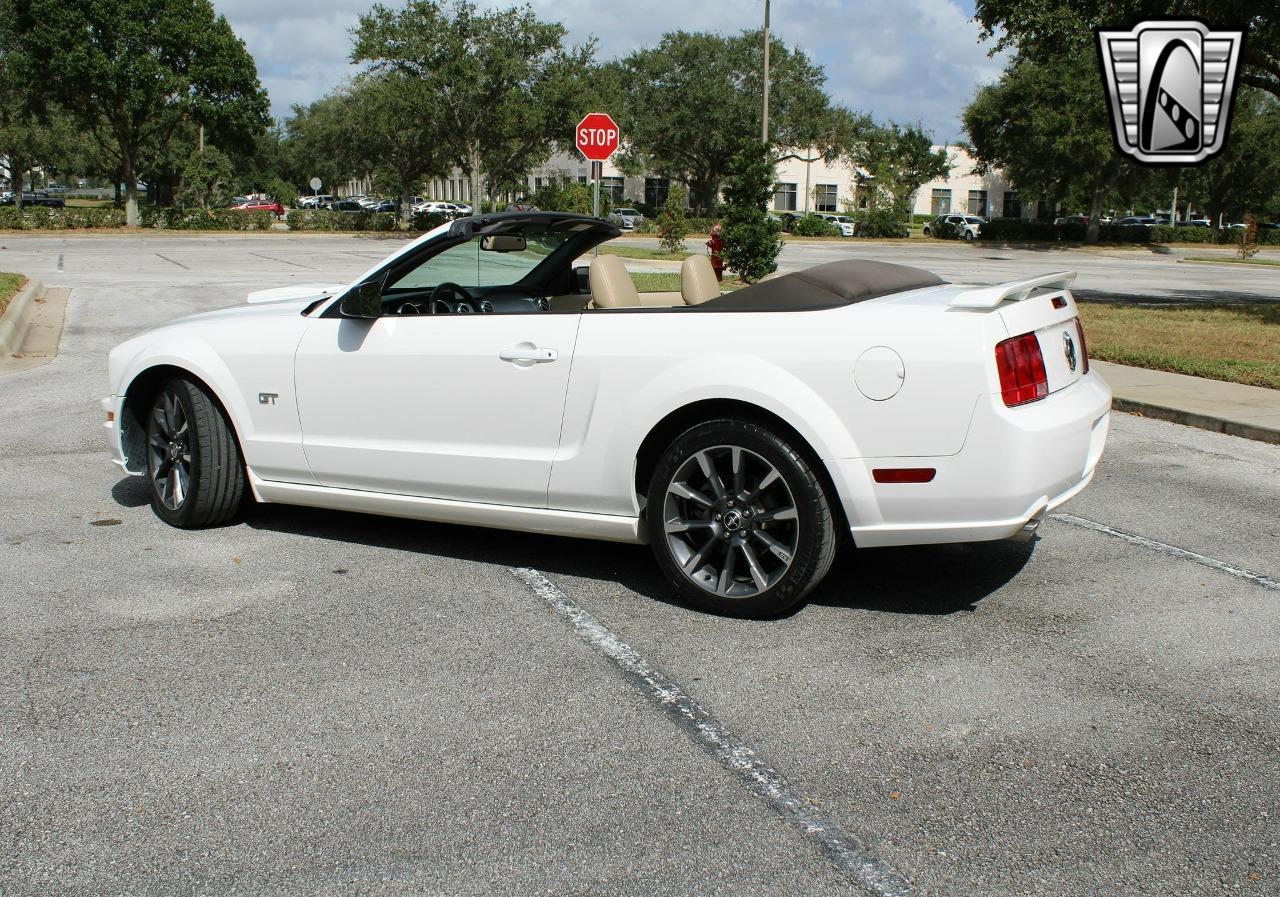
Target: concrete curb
[(1199, 421), (17, 317)]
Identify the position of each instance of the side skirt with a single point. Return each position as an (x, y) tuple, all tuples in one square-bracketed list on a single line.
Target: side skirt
[(607, 527)]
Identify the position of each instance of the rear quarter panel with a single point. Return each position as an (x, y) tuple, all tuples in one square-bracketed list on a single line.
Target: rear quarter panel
[(633, 368)]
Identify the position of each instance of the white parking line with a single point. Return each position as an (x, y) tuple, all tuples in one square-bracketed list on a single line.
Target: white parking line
[(842, 848), (1172, 550)]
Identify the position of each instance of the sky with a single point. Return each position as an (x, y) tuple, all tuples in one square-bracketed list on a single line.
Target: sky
[(907, 61)]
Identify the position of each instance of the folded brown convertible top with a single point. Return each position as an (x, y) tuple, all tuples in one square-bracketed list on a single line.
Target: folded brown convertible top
[(825, 286)]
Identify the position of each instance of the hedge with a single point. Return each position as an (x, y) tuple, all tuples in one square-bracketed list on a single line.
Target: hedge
[(45, 218), (203, 219), (325, 220), (1021, 230)]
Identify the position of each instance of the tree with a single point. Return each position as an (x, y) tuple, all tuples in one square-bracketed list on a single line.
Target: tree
[(1244, 176), (751, 241), (693, 100), (390, 124), (503, 79), (897, 160), (205, 177), (1052, 28), (130, 69), (1045, 124)]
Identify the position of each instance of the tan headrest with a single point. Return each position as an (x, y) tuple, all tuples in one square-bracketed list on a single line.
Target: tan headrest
[(698, 280), (611, 285)]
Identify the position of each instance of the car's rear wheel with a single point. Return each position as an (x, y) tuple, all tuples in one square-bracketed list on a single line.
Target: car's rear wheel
[(194, 467), (739, 520)]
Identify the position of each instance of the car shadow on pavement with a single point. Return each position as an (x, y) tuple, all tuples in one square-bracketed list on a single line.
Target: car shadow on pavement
[(930, 580), (921, 580)]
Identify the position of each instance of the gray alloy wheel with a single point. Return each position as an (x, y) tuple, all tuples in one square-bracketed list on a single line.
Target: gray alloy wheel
[(730, 521), (193, 459), (739, 519), (169, 451)]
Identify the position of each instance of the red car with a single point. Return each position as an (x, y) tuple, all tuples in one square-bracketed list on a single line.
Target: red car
[(260, 205)]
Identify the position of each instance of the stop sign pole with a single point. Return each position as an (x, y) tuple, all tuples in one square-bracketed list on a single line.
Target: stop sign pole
[(597, 138)]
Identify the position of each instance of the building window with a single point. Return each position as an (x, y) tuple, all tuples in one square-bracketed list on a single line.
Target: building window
[(978, 202), (784, 198), (824, 198), (940, 203), (655, 191), (612, 188), (1012, 205)]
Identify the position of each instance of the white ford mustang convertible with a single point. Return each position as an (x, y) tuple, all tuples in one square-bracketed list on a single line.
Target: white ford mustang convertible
[(482, 376)]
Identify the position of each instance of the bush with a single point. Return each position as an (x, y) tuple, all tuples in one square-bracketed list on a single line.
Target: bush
[(872, 223), (425, 221), (45, 218), (1015, 230), (813, 226), (204, 219), (945, 230), (325, 220), (673, 223)]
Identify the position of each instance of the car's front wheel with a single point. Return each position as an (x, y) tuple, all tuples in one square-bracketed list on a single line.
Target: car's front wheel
[(739, 520), (194, 468)]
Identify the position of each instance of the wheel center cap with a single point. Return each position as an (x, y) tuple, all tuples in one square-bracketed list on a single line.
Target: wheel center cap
[(173, 451), (733, 521)]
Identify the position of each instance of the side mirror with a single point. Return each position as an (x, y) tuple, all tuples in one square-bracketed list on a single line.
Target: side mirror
[(363, 301), (503, 243)]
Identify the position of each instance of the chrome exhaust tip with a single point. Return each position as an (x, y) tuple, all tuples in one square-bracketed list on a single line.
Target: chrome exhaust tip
[(1028, 531)]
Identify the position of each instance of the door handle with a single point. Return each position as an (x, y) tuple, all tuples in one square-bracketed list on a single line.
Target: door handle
[(528, 355)]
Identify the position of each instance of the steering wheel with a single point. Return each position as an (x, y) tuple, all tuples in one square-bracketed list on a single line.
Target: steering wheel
[(437, 295)]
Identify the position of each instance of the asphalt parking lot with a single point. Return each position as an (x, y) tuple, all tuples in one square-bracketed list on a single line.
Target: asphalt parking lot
[(319, 703)]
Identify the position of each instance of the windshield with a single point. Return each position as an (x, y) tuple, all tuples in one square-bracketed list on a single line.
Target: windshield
[(468, 265), (627, 212)]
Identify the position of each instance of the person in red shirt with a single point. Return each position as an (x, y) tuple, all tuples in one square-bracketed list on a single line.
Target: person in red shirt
[(716, 245)]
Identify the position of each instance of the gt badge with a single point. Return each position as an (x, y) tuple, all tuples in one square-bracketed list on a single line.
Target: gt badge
[(1171, 84), (1069, 350), (267, 398)]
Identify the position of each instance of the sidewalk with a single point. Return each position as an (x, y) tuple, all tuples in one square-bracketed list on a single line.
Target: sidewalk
[(1248, 411)]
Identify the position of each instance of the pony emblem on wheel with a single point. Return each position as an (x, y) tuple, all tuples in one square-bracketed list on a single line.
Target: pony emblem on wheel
[(1170, 85)]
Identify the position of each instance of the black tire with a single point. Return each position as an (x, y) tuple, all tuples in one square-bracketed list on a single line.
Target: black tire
[(807, 539), (201, 443)]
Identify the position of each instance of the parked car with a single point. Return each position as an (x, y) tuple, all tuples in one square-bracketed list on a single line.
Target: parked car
[(260, 205), (346, 205), (1071, 219), (461, 208), (316, 201), (967, 226), (845, 399), (627, 219), (383, 205), (55, 188), (1135, 221)]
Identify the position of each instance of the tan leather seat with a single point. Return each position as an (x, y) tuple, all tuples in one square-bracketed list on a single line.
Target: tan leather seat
[(611, 285), (698, 280)]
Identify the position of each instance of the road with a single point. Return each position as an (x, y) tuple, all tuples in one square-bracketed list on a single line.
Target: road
[(319, 703), (1158, 275)]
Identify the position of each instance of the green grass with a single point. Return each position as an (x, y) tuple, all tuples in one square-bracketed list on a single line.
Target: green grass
[(642, 252), (9, 286), (663, 282), (89, 203), (1235, 343), (1230, 260)]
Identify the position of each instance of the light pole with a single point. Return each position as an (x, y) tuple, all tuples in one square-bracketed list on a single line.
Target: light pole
[(764, 119)]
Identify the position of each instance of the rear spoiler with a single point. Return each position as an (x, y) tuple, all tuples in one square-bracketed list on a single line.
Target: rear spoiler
[(1017, 290)]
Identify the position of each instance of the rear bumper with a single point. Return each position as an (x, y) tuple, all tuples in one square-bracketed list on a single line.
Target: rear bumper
[(1017, 465)]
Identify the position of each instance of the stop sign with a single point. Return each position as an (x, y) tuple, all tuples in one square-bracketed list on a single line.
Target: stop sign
[(597, 136)]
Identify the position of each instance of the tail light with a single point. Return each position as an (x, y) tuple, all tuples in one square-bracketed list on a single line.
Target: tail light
[(1084, 348), (1021, 366)]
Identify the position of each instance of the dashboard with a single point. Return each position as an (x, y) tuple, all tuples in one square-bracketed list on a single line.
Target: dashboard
[(451, 299)]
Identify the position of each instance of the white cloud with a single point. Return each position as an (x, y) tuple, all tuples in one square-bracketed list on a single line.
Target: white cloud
[(910, 60)]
